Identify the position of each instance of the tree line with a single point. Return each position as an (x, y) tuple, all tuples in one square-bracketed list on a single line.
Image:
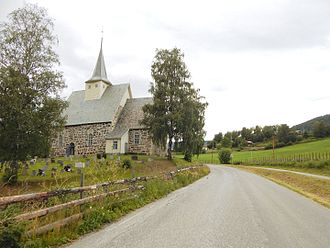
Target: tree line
[(282, 135)]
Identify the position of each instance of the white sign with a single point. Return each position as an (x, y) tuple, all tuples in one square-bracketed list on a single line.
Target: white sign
[(80, 165)]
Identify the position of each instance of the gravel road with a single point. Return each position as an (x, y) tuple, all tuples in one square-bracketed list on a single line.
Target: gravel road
[(227, 208)]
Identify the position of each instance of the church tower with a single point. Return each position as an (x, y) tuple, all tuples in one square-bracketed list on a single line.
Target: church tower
[(98, 83)]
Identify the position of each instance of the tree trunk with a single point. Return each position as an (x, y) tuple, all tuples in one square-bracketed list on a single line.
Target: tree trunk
[(169, 149)]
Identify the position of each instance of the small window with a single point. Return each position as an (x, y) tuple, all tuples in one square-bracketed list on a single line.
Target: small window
[(89, 86), (90, 140), (60, 141), (96, 85), (115, 145), (136, 139)]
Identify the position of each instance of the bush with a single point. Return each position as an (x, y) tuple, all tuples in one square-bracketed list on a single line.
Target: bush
[(225, 156), (10, 175), (10, 236), (127, 164), (99, 156), (188, 156)]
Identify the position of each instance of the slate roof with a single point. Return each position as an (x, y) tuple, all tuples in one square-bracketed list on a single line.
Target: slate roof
[(99, 72), (94, 111), (130, 116)]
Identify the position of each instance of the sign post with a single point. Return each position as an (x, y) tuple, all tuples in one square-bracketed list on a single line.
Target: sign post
[(80, 166)]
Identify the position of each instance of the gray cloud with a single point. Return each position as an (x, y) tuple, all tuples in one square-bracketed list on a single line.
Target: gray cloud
[(294, 25)]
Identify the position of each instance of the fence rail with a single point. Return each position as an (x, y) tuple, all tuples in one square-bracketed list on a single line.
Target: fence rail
[(295, 157), (6, 201)]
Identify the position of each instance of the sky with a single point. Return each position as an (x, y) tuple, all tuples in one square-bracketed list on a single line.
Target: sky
[(256, 62)]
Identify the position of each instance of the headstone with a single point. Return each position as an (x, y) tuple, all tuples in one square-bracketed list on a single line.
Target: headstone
[(68, 168), (24, 171), (52, 160), (53, 174), (111, 156), (87, 163), (60, 162), (34, 173), (54, 169), (47, 161), (80, 165), (150, 159), (41, 172)]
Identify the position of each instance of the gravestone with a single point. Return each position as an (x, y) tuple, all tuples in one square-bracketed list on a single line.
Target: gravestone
[(52, 160), (34, 173), (41, 172), (54, 169), (60, 162), (87, 163), (24, 171)]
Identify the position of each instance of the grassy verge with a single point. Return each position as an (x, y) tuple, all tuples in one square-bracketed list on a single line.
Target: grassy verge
[(313, 188), (95, 215), (323, 170)]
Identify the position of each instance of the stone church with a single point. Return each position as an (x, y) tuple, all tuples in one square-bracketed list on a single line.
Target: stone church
[(104, 118)]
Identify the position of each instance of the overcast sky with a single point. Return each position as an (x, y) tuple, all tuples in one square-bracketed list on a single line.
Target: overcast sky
[(257, 62)]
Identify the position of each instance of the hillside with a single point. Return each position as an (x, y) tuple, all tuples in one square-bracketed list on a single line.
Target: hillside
[(308, 125)]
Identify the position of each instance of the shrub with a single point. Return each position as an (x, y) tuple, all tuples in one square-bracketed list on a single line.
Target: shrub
[(99, 156), (188, 156), (225, 156), (269, 146), (127, 164), (10, 236)]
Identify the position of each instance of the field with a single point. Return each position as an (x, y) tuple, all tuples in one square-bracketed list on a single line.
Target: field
[(319, 146)]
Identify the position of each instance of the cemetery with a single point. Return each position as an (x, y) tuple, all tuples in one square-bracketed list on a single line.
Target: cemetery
[(61, 172)]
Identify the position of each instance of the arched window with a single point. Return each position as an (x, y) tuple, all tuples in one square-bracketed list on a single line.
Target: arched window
[(90, 139)]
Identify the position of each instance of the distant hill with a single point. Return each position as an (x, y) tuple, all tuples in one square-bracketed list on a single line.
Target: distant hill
[(308, 125)]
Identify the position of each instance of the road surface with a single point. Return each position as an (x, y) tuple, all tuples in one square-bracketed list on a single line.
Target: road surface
[(227, 208)]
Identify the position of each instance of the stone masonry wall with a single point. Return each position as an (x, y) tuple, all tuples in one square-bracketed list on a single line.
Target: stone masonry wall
[(79, 136), (145, 145)]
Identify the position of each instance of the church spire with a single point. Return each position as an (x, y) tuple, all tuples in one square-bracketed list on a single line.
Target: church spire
[(100, 73)]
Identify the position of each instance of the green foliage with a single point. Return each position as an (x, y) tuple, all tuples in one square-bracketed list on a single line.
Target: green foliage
[(10, 236), (226, 142), (30, 106), (188, 156), (10, 173), (177, 111), (225, 156), (127, 164)]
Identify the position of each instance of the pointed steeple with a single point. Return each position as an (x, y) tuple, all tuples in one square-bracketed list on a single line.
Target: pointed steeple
[(99, 73)]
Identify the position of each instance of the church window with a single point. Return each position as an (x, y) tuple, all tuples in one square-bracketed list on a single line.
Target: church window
[(60, 141), (137, 139), (115, 145), (90, 140), (96, 85)]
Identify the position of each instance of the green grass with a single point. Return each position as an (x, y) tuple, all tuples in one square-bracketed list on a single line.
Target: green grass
[(98, 171), (319, 146), (95, 214)]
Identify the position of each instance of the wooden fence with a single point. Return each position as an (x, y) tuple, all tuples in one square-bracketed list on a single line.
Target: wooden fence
[(132, 186), (298, 157)]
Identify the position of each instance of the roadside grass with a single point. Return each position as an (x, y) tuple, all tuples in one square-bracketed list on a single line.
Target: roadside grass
[(317, 168), (313, 188), (95, 215)]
